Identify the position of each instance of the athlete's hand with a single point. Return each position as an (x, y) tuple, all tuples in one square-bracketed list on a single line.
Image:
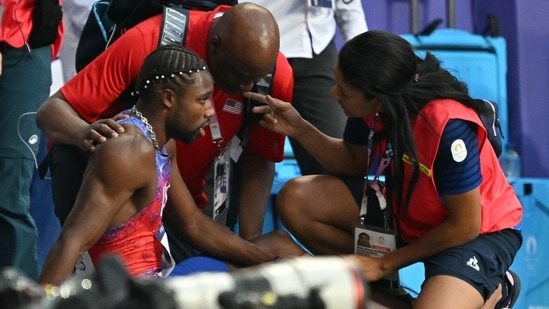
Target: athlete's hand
[(101, 130)]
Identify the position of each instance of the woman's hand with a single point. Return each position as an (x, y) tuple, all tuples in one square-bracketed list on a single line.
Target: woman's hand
[(278, 116), (371, 267)]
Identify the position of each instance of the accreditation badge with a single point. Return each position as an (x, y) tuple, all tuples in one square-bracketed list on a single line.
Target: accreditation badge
[(375, 242), (223, 165), (222, 173)]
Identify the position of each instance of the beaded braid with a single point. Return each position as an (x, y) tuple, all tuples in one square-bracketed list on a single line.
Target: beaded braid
[(170, 65)]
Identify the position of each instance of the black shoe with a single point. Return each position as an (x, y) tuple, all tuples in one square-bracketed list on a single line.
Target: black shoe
[(512, 284)]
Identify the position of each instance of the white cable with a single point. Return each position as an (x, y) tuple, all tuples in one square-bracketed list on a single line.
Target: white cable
[(25, 143)]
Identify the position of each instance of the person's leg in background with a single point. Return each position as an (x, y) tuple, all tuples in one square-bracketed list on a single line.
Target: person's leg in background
[(41, 208), (48, 218), (313, 83), (24, 85)]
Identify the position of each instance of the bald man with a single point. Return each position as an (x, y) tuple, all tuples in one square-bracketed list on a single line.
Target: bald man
[(240, 45)]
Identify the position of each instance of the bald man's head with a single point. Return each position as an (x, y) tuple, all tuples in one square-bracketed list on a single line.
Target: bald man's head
[(242, 46)]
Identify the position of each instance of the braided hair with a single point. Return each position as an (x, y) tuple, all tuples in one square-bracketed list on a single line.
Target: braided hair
[(384, 65), (169, 66)]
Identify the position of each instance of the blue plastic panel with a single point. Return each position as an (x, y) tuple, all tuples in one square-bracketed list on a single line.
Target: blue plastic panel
[(480, 62), (531, 260), (288, 151), (412, 277), (285, 170)]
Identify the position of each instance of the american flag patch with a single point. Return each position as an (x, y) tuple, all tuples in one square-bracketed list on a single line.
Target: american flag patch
[(233, 106)]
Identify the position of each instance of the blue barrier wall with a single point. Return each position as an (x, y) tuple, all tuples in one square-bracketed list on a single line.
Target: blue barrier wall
[(524, 25), (531, 260)]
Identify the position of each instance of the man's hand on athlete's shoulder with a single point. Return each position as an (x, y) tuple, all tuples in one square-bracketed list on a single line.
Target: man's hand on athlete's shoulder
[(101, 130)]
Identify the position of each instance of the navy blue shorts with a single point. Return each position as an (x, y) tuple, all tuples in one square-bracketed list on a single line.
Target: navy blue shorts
[(198, 264), (355, 184), (482, 262)]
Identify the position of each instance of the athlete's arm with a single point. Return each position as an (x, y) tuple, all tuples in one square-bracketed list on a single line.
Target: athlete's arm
[(202, 232), (106, 199)]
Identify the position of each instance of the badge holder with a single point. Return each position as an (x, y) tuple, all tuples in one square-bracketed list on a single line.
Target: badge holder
[(373, 240), (222, 174)]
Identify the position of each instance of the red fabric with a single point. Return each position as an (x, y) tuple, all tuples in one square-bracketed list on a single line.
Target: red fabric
[(94, 98), (17, 24), (501, 208), (134, 241)]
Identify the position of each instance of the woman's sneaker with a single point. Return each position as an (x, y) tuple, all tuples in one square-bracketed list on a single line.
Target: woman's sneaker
[(512, 286)]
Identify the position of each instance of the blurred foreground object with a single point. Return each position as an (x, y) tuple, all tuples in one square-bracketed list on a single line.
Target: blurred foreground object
[(18, 291), (300, 283)]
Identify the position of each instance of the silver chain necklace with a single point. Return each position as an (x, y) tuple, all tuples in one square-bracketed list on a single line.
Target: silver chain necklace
[(147, 126)]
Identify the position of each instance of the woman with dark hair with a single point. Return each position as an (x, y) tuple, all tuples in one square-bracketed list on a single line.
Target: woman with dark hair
[(447, 201)]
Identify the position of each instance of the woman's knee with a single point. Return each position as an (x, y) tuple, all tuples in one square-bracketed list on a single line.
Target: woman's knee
[(320, 198), (293, 196)]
